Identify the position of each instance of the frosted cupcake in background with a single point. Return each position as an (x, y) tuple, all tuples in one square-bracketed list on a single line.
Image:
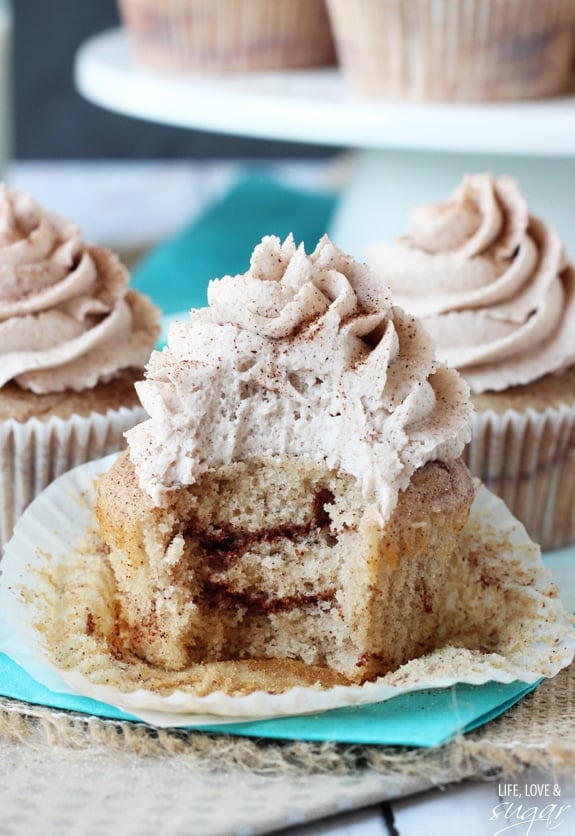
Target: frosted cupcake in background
[(223, 35), (467, 50), (494, 288), (73, 340)]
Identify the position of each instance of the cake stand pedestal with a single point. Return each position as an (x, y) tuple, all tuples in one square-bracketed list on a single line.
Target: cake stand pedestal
[(404, 153)]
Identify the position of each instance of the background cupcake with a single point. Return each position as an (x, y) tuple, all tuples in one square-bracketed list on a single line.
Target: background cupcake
[(454, 49), (228, 34), (73, 339), (495, 290)]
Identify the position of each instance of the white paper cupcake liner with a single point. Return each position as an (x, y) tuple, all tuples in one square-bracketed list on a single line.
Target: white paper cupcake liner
[(33, 453), (505, 589), (528, 459), (454, 49)]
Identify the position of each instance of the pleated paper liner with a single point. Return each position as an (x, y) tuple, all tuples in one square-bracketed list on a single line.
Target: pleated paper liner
[(528, 459), (454, 50), (228, 35), (34, 452), (52, 574)]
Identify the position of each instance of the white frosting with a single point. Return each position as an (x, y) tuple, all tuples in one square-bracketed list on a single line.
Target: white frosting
[(302, 355)]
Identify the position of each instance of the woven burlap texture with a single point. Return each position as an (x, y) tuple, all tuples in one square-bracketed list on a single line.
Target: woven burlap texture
[(260, 785)]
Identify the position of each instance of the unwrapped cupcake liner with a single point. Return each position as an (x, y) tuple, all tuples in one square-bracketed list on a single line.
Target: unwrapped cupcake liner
[(528, 459), (464, 50), (506, 601), (221, 35), (33, 453)]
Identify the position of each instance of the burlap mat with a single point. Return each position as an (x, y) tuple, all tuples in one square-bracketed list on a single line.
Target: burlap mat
[(64, 768)]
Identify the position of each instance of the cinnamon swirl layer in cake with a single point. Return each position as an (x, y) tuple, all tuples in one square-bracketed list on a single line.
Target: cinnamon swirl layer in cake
[(283, 558)]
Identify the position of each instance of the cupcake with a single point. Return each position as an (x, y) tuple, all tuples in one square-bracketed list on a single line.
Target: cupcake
[(492, 285), (73, 340), (296, 496), (467, 50), (216, 35)]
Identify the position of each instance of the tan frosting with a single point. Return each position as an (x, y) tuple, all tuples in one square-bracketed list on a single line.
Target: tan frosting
[(301, 355), (67, 318), (490, 282)]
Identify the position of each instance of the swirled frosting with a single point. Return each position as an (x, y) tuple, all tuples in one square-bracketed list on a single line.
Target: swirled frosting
[(302, 355), (67, 318), (490, 282)]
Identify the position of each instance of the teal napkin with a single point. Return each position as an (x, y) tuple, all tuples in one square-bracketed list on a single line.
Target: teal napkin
[(421, 718), (176, 275)]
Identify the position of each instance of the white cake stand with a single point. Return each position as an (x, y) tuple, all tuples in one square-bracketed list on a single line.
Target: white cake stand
[(403, 153)]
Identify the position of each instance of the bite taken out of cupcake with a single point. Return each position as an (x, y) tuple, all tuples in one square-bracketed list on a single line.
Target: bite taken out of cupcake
[(494, 288), (298, 481), (73, 340)]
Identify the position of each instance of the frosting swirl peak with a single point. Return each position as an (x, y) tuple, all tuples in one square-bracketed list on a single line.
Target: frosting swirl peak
[(301, 355), (490, 282), (67, 317)]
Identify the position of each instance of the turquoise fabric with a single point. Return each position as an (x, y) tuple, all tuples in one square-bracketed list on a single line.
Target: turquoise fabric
[(422, 718), (176, 275)]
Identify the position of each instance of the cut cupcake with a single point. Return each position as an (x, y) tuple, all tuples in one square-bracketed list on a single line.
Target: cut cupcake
[(297, 492), (494, 288)]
